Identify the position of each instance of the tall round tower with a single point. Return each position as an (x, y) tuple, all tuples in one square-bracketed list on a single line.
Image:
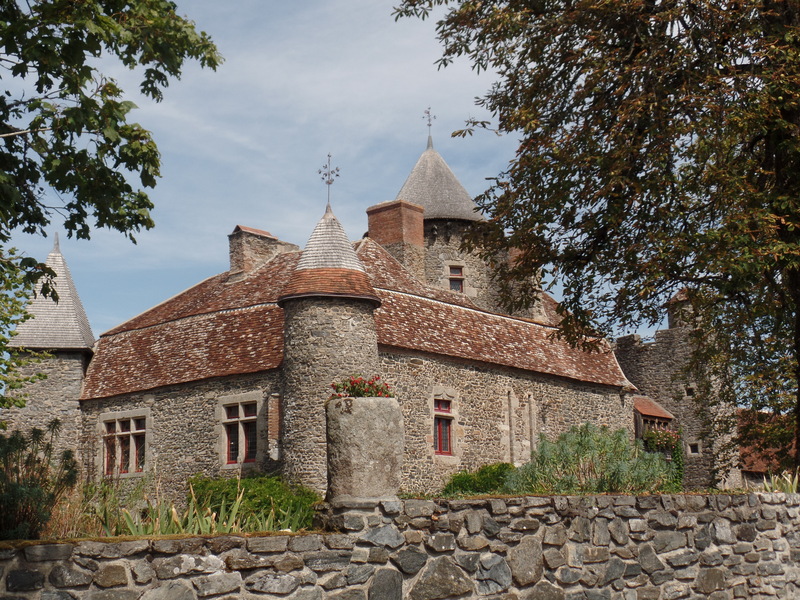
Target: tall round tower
[(329, 334)]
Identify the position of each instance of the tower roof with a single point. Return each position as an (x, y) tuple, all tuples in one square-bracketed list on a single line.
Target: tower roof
[(54, 325), (433, 186), (329, 266)]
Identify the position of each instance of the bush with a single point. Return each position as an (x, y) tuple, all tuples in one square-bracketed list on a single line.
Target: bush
[(489, 479), (592, 460), (291, 506), (31, 481)]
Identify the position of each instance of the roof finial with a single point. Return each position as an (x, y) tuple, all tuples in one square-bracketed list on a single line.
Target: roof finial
[(328, 175), (430, 117), (56, 247)]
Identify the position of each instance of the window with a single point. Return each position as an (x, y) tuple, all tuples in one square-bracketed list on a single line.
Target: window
[(241, 425), (690, 391), (124, 443), (457, 279), (694, 448), (241, 432), (442, 426)]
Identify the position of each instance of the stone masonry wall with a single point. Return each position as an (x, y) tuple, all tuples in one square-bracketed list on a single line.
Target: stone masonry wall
[(55, 396), (184, 431), (528, 548), (497, 415), (654, 368), (325, 340)]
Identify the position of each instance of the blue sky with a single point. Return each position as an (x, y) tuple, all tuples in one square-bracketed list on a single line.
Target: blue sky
[(243, 145)]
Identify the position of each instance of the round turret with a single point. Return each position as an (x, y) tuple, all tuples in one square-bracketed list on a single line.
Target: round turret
[(329, 334)]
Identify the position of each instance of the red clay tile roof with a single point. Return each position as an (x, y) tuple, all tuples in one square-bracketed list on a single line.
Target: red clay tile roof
[(253, 230), (227, 326), (345, 283), (650, 408)]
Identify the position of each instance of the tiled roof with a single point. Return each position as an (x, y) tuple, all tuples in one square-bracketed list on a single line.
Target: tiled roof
[(435, 188), (650, 408), (253, 230), (234, 326), (58, 325)]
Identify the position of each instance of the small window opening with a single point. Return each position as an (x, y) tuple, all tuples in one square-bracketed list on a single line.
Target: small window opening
[(457, 279), (442, 427)]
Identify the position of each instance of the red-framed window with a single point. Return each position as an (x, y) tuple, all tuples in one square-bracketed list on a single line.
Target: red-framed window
[(241, 433), (442, 426), (124, 445), (457, 279)]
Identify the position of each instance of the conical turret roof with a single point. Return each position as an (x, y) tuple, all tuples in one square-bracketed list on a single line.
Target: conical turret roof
[(54, 325), (433, 186), (329, 266)]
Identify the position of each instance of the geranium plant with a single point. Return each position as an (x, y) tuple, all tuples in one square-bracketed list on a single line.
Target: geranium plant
[(661, 439), (356, 386)]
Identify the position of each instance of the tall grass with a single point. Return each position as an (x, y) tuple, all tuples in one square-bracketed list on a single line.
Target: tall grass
[(108, 508), (591, 460)]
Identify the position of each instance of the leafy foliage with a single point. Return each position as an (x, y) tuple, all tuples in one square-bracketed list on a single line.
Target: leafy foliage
[(592, 460), (31, 481), (659, 150), (263, 497), (66, 144), (787, 483), (18, 276), (356, 386), (488, 479)]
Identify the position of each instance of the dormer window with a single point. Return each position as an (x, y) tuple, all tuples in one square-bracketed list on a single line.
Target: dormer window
[(457, 279)]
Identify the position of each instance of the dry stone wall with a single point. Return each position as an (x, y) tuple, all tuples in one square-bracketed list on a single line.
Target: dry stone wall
[(562, 548)]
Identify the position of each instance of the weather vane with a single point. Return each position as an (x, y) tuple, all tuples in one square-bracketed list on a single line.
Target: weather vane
[(430, 117), (328, 175)]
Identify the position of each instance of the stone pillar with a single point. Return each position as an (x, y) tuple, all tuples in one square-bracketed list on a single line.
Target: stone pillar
[(365, 448), (325, 340)]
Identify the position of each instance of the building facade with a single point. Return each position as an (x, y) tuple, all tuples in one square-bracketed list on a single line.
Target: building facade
[(232, 375)]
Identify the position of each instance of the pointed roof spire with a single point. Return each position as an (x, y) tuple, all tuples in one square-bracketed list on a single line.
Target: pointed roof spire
[(329, 266), (61, 325), (433, 186)]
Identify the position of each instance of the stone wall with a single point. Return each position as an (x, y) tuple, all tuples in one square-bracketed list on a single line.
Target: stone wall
[(655, 369), (184, 430), (498, 413), (325, 340), (530, 548), (55, 396)]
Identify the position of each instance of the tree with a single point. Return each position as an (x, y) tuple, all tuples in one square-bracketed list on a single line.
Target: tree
[(66, 146), (659, 150)]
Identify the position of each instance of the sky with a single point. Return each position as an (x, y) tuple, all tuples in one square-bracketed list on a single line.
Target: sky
[(243, 145)]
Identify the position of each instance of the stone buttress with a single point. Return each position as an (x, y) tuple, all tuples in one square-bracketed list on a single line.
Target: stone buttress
[(329, 334)]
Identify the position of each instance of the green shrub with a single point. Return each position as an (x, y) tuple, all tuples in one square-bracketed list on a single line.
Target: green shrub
[(31, 481), (265, 499), (488, 479), (592, 460)]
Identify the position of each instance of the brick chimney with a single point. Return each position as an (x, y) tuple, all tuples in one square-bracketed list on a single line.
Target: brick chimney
[(250, 248), (398, 227)]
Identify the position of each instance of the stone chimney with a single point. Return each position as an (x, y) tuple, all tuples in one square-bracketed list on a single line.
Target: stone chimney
[(398, 227), (250, 248)]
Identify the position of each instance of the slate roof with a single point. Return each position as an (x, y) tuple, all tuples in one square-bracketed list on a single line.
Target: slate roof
[(58, 325), (435, 188), (227, 326)]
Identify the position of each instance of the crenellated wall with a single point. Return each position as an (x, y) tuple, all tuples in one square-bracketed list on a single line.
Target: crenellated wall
[(718, 547)]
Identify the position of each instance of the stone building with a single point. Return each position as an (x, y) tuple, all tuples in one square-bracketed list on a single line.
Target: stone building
[(62, 331), (233, 374)]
